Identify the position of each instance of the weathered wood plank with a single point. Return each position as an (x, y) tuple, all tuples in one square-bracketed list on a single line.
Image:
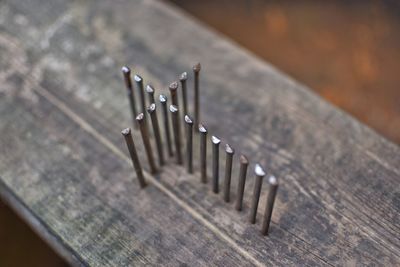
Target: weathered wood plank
[(339, 201)]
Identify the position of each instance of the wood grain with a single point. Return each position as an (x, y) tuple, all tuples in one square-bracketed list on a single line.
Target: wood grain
[(62, 156)]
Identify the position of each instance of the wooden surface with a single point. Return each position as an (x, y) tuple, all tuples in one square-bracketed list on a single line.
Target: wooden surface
[(65, 168)]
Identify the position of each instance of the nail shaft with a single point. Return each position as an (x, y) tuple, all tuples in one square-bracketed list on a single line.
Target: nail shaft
[(156, 130), (150, 92), (228, 172), (146, 141), (173, 88), (134, 156), (189, 144), (273, 188), (196, 70), (177, 132), (131, 96), (203, 153), (183, 80), (163, 101), (242, 181), (256, 192), (215, 157), (139, 84)]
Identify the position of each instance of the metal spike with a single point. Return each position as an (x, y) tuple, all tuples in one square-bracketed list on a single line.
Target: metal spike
[(163, 101), (146, 141), (177, 132), (131, 96), (183, 79), (228, 171), (273, 188), (203, 153), (189, 144), (256, 192), (156, 129), (150, 91), (215, 151), (242, 182), (196, 70), (134, 156), (139, 84), (173, 87)]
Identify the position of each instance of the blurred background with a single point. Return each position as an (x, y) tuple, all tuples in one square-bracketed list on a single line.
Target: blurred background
[(348, 52)]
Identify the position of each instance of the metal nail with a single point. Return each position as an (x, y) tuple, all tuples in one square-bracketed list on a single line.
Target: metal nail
[(156, 130), (183, 79), (177, 132), (163, 101), (215, 157), (173, 87), (256, 192), (228, 171), (150, 91), (242, 181), (196, 70), (139, 84), (203, 153), (189, 144), (131, 96), (134, 156), (146, 141), (273, 188)]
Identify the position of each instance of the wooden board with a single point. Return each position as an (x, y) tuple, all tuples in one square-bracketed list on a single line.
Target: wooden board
[(65, 168)]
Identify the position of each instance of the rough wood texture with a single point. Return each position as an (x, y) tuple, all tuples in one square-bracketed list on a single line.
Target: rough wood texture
[(65, 168)]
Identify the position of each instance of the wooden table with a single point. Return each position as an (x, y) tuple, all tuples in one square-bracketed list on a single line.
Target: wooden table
[(65, 168)]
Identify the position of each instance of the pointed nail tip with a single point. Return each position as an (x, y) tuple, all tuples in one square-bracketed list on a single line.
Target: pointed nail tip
[(215, 140), (229, 149), (259, 170), (137, 78), (140, 117), (149, 89), (151, 108), (243, 159), (202, 128), (273, 180), (173, 86), (183, 76), (188, 119), (173, 108), (163, 98), (125, 69), (126, 131), (197, 67)]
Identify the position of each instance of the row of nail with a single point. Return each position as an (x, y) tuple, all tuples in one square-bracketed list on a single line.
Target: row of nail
[(140, 121)]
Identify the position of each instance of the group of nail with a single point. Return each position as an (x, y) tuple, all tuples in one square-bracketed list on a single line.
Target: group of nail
[(140, 115)]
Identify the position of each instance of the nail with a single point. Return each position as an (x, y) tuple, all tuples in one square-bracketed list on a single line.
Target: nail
[(173, 87), (203, 153), (183, 79), (163, 101), (215, 156), (146, 141), (228, 172), (134, 156), (273, 188), (156, 129), (150, 92), (131, 96), (189, 144), (177, 132), (242, 181), (256, 193), (139, 83), (196, 70)]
